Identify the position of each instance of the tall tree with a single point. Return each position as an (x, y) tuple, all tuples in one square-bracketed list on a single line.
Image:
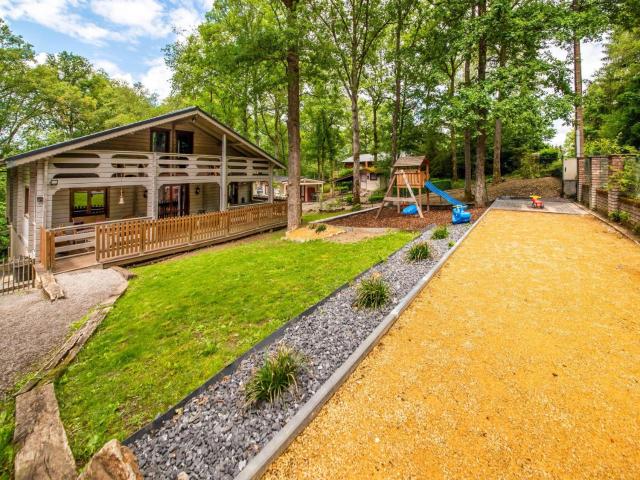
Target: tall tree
[(352, 29), (294, 213), (481, 141)]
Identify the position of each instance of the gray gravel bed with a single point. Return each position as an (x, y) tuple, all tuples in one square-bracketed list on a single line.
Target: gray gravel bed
[(215, 434)]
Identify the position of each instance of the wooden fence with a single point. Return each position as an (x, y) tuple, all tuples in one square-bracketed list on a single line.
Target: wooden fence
[(139, 237), (16, 274)]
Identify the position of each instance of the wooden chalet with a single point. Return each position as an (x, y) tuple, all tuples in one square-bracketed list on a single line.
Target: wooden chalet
[(169, 183)]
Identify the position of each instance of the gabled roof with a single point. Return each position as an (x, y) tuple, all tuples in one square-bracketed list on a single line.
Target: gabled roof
[(366, 158), (410, 161), (191, 112)]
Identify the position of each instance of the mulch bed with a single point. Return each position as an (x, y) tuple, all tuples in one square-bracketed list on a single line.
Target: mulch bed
[(390, 218)]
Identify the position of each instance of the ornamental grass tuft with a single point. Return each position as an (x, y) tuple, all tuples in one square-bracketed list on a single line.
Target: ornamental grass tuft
[(276, 376), (419, 251), (372, 292), (321, 228), (440, 233)]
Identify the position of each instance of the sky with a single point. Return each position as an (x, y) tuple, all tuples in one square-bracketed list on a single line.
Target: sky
[(125, 37)]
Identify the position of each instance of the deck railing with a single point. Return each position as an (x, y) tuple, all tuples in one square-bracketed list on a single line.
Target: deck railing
[(131, 238), (16, 274)]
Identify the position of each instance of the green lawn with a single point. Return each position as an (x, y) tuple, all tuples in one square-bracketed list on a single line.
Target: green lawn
[(181, 321), (6, 435), (313, 216)]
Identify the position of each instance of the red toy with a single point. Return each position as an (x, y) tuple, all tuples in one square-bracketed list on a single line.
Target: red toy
[(536, 202)]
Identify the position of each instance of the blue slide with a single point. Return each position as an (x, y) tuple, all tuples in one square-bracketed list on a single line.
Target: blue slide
[(431, 187)]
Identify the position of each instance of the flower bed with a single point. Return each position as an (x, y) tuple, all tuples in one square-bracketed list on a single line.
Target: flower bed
[(214, 433)]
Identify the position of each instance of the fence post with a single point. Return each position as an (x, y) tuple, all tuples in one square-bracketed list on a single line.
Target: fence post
[(143, 234)]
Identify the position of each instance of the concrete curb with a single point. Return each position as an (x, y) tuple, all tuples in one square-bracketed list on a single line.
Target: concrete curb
[(259, 464)]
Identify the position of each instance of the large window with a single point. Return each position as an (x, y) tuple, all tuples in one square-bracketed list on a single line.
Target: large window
[(184, 142), (160, 140), (88, 202)]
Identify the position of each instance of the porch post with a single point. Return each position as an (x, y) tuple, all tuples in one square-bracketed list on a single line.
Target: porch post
[(270, 182), (152, 189), (223, 175)]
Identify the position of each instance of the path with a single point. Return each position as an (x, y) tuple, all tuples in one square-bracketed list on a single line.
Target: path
[(557, 205), (521, 359), (32, 326)]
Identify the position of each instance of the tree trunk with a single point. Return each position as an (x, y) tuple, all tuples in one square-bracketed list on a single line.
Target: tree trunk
[(452, 127), (497, 137), (294, 213), (355, 144), (395, 118), (468, 195), (577, 83), (481, 145), (375, 134)]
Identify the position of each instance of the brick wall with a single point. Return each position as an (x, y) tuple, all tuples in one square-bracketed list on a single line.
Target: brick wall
[(602, 201), (632, 207)]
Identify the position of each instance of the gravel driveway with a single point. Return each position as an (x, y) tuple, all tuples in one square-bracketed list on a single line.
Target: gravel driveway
[(32, 326)]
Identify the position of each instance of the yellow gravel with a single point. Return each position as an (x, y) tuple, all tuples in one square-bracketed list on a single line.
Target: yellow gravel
[(521, 359)]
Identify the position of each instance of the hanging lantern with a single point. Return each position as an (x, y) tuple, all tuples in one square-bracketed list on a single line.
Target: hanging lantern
[(121, 201)]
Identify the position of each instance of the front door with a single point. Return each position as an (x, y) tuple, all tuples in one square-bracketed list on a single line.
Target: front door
[(173, 201)]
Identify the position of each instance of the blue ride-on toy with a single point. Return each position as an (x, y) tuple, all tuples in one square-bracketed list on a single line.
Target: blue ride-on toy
[(459, 215)]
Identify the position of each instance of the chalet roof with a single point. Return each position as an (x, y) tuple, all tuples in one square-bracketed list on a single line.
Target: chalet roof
[(193, 113), (410, 161)]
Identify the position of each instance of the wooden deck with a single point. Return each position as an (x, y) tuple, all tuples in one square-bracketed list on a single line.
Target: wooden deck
[(138, 240)]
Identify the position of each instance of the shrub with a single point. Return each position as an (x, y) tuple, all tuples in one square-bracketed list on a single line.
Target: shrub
[(636, 229), (376, 196), (419, 251), (372, 292), (615, 216), (451, 243), (356, 207), (440, 233), (624, 217), (547, 156), (321, 228), (276, 376), (348, 199)]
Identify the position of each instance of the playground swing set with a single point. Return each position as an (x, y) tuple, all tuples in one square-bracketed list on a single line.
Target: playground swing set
[(412, 172)]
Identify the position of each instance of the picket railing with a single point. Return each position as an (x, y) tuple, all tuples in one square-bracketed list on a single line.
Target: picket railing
[(16, 274), (140, 237)]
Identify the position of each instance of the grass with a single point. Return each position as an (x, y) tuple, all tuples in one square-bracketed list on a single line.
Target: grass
[(276, 376), (313, 216), (419, 251), (440, 233), (372, 292), (7, 408), (181, 321)]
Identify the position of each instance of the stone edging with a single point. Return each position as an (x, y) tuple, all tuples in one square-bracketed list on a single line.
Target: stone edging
[(261, 461)]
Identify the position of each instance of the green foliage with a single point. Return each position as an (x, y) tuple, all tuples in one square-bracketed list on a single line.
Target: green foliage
[(636, 229), (440, 233), (547, 156), (7, 408), (451, 244), (372, 292), (178, 325), (321, 228), (615, 216), (607, 146), (377, 196), (624, 217), (419, 251), (628, 179), (276, 376)]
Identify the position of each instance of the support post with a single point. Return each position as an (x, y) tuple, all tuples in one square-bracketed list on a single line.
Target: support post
[(270, 182), (152, 190), (223, 175)]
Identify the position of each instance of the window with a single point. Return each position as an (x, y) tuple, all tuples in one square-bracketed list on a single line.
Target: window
[(88, 202), (160, 141), (26, 201), (184, 142), (373, 176)]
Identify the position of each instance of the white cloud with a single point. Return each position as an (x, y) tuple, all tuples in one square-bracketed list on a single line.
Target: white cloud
[(158, 78), (57, 15), (142, 17), (40, 58), (114, 71), (185, 20)]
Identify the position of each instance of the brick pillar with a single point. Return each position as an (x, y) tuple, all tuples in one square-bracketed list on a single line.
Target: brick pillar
[(616, 164), (581, 177), (596, 180)]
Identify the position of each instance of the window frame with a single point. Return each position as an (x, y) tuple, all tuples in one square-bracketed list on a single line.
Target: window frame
[(160, 130), (88, 212)]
